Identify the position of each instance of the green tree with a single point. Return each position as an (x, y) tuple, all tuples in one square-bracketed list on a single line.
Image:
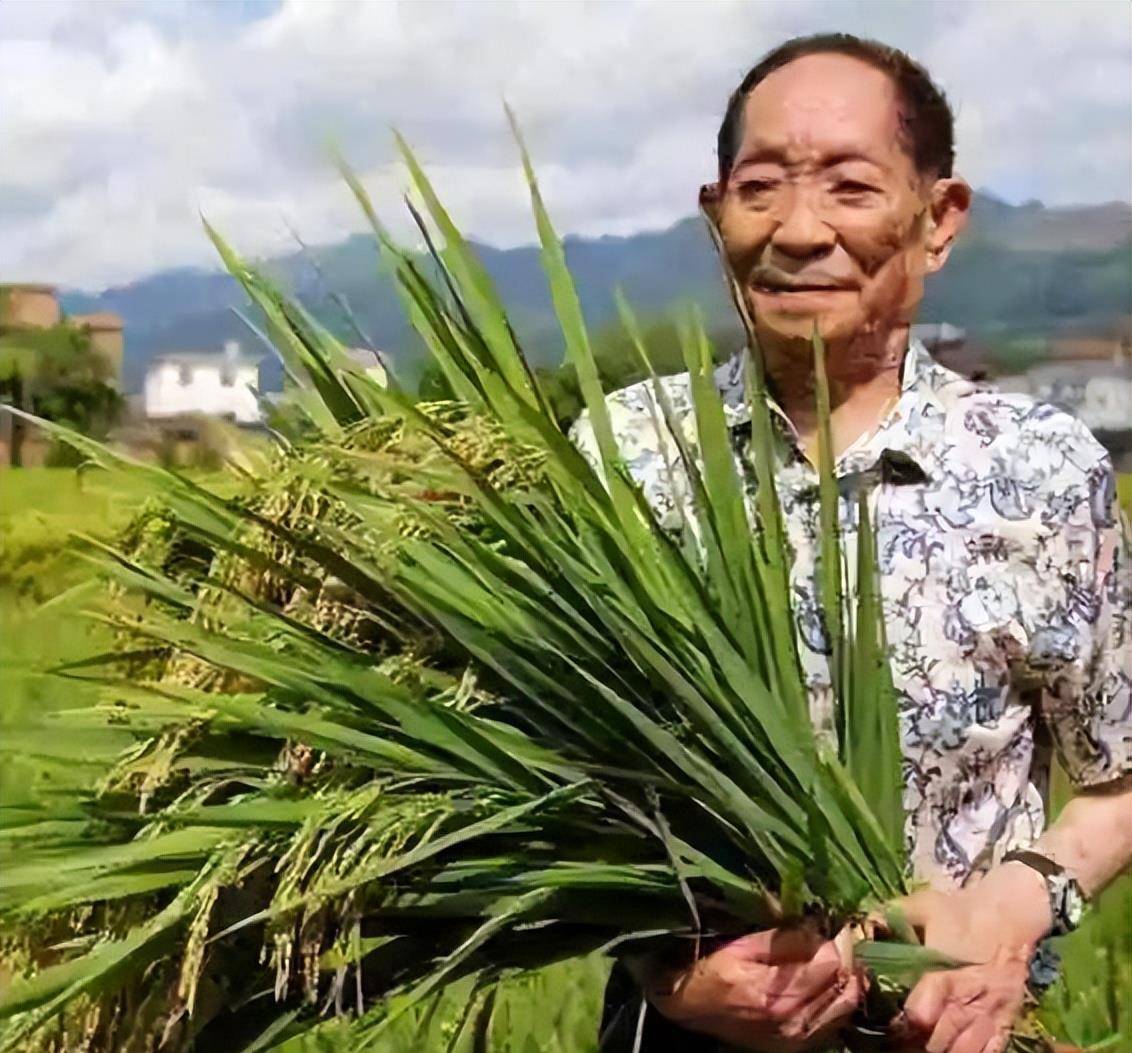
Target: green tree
[(55, 374)]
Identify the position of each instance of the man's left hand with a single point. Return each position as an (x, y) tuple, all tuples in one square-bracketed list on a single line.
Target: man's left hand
[(968, 1010), (994, 925)]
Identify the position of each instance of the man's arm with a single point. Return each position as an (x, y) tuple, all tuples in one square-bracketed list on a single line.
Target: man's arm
[(1087, 706), (998, 921), (1010, 907), (1092, 838)]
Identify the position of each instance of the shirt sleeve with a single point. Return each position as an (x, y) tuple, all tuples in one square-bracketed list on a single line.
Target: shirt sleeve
[(1087, 702), (645, 445), (581, 434)]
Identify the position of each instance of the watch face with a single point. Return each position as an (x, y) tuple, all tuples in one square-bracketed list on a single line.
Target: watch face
[(1074, 904), (1069, 904)]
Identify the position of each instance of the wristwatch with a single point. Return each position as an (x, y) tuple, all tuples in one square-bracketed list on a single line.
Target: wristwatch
[(1066, 900)]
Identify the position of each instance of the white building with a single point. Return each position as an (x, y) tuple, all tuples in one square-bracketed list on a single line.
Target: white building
[(939, 336), (215, 384), (1098, 393)]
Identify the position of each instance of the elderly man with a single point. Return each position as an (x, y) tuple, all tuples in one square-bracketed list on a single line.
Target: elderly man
[(1005, 576)]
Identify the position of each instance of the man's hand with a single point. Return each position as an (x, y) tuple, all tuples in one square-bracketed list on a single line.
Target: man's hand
[(780, 991), (968, 1010), (1007, 908), (994, 924)]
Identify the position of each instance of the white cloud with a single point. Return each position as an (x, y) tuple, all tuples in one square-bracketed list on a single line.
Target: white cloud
[(119, 122)]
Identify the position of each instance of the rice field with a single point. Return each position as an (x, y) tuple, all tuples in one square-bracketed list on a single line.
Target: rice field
[(42, 588)]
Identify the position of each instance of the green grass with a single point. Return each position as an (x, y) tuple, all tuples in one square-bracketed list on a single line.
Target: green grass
[(39, 509), (43, 584), (1090, 1005), (1124, 489), (33, 641), (553, 1010)]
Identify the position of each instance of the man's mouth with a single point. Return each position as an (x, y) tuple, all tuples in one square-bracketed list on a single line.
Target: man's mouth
[(798, 287)]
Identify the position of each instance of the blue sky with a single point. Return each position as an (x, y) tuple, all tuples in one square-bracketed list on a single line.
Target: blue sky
[(120, 122)]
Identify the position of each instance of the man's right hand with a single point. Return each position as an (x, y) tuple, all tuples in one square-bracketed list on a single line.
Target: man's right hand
[(780, 991)]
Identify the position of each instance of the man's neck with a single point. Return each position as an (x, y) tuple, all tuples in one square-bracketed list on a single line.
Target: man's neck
[(864, 383)]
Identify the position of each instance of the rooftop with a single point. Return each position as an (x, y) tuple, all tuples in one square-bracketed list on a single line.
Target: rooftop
[(32, 287), (938, 333), (206, 358)]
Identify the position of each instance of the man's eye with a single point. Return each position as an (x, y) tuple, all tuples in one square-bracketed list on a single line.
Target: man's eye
[(752, 187), (849, 187)]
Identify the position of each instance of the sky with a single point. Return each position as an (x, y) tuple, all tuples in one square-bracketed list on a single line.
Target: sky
[(121, 123)]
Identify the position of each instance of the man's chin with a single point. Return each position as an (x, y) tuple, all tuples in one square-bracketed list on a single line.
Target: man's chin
[(799, 328)]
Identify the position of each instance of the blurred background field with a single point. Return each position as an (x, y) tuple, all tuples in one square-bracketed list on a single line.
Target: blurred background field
[(43, 583), (41, 508)]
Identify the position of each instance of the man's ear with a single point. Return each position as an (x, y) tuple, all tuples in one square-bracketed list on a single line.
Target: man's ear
[(950, 209), (711, 196)]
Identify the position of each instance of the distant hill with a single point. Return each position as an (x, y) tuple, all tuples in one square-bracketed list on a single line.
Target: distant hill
[(1018, 267)]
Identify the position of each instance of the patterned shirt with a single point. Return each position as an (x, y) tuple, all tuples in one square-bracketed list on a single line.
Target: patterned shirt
[(1005, 581)]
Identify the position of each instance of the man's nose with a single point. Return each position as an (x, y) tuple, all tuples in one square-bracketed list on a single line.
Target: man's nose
[(801, 232)]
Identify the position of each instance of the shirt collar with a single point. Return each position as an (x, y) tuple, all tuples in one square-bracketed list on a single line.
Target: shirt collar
[(906, 430)]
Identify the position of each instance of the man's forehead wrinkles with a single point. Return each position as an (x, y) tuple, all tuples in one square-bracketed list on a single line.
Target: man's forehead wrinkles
[(795, 151), (821, 122)]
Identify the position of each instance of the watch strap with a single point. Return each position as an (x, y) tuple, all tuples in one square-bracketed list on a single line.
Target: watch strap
[(1066, 900), (1035, 861)]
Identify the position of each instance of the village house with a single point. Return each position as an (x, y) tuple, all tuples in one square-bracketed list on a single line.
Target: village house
[(104, 330), (33, 307), (370, 361), (29, 305), (1089, 376), (222, 384), (1096, 391)]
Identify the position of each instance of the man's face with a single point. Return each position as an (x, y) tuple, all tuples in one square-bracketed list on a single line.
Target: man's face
[(824, 216)]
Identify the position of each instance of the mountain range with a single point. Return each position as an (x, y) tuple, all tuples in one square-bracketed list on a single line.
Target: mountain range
[(1018, 269)]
